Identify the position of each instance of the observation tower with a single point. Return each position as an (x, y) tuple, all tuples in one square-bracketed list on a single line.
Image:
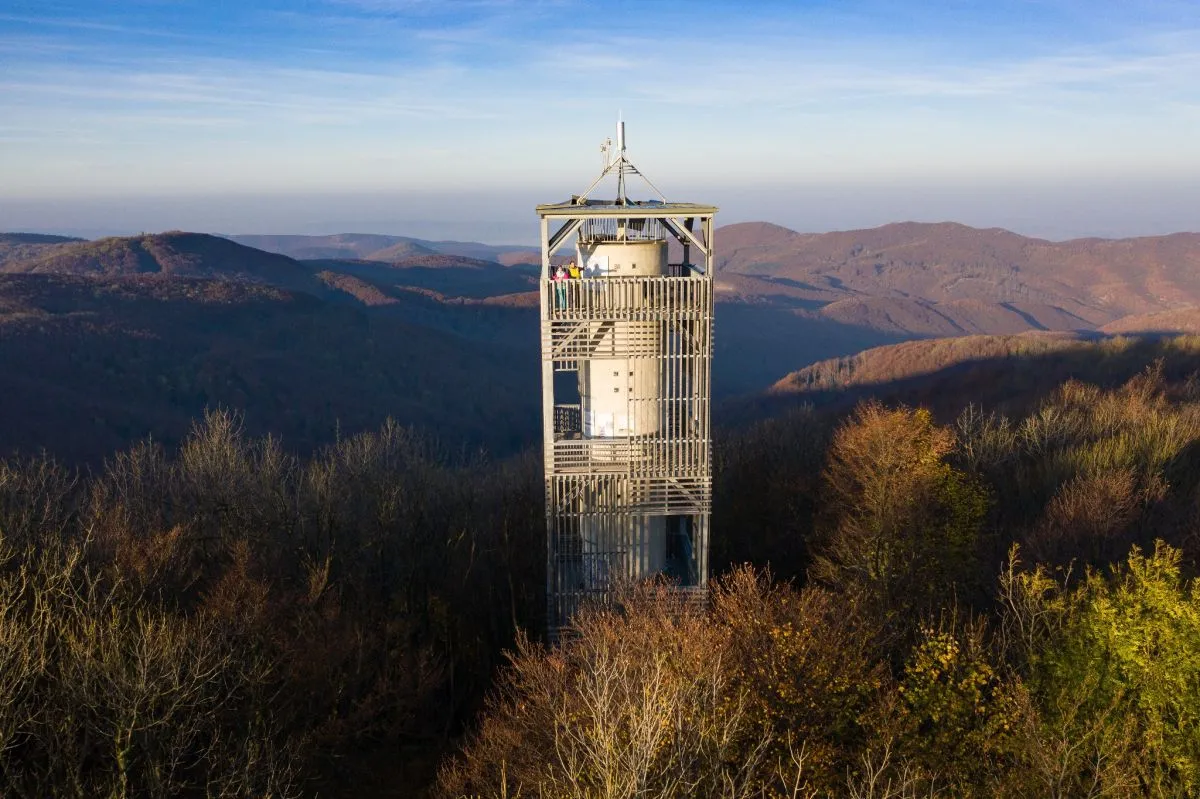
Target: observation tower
[(626, 390)]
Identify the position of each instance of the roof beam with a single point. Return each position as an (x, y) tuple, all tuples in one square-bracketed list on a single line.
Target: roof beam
[(561, 236), (680, 228)]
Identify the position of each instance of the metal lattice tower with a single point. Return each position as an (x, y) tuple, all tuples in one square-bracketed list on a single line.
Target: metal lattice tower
[(626, 392)]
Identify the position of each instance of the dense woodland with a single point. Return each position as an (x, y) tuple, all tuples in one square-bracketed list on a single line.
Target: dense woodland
[(992, 599)]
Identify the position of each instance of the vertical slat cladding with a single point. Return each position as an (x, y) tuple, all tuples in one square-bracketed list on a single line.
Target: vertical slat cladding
[(601, 493)]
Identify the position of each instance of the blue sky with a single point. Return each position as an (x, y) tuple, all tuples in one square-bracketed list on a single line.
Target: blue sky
[(1051, 117)]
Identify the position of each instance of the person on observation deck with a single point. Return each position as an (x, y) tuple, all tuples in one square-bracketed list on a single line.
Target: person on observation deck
[(560, 286), (573, 271)]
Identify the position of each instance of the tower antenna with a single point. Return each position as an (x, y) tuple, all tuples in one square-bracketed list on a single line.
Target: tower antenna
[(617, 160), (621, 161)]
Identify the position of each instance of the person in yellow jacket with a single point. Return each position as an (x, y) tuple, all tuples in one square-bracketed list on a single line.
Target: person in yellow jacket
[(573, 271)]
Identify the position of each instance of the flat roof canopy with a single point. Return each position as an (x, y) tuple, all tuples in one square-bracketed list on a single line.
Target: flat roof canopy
[(645, 208)]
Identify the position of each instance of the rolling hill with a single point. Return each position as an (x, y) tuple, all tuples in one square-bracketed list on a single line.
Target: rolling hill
[(175, 253), (120, 338), (375, 247), (20, 247), (355, 338), (1084, 283), (991, 368), (93, 362), (1180, 320), (885, 365)]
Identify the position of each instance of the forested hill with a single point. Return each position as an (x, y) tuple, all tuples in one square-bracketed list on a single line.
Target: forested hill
[(995, 599), (147, 364), (92, 364), (375, 247), (1094, 280), (15, 247), (946, 372), (112, 341), (177, 254)]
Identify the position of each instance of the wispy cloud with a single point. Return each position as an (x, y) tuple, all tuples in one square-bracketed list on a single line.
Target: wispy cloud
[(775, 71), (290, 96), (75, 23), (482, 86)]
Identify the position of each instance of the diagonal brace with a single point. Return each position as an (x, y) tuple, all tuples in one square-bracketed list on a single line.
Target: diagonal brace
[(680, 230), (563, 233)]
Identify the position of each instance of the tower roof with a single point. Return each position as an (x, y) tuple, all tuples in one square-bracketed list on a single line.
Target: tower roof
[(616, 162), (581, 207)]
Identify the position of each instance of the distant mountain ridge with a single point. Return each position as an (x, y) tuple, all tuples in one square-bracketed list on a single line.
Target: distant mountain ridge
[(377, 247), (1053, 285), (36, 238), (16, 247), (444, 334), (913, 359), (175, 253)]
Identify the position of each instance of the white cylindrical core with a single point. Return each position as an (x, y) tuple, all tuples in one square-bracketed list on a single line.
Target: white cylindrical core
[(620, 388), (619, 385), (647, 258)]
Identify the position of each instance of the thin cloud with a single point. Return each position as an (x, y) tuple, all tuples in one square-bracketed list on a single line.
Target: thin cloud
[(313, 96), (771, 74), (102, 27), (339, 81)]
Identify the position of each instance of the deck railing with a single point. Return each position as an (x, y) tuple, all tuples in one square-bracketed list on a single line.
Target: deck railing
[(610, 228), (626, 298), (611, 493)]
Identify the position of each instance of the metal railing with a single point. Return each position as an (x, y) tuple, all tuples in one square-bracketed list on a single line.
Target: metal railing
[(622, 229), (573, 494), (626, 298), (635, 456)]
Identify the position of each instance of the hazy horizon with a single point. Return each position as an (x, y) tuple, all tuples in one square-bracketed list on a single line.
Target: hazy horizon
[(1056, 212)]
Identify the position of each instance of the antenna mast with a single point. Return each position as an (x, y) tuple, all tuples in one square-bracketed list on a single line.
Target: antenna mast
[(620, 162), (616, 160)]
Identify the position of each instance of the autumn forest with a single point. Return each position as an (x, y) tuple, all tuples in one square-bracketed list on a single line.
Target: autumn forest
[(994, 601)]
